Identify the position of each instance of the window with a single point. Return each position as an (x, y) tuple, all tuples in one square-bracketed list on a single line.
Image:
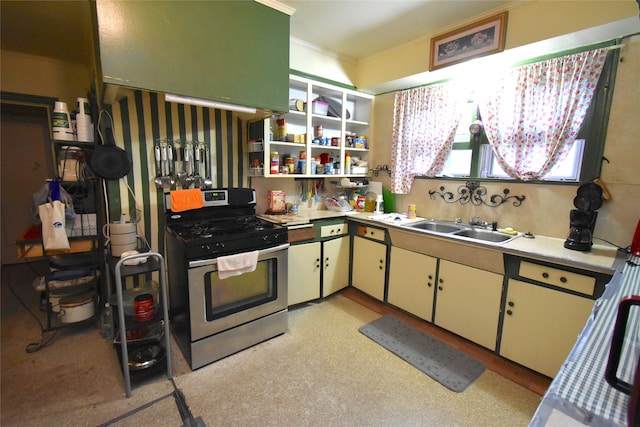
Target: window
[(472, 157), (567, 170)]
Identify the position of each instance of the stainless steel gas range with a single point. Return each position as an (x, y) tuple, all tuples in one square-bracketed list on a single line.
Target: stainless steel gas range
[(212, 315)]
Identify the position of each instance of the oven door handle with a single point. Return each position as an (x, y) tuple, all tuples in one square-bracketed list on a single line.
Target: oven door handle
[(214, 261)]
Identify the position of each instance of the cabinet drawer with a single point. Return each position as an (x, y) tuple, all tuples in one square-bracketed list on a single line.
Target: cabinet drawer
[(333, 230), (371, 232), (557, 277), (301, 234)]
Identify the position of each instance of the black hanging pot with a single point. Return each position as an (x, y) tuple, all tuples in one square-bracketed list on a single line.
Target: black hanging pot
[(109, 161)]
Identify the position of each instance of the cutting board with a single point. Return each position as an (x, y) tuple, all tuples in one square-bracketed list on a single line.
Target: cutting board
[(285, 219)]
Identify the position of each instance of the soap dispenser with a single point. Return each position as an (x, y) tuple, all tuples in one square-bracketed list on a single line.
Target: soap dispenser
[(379, 204)]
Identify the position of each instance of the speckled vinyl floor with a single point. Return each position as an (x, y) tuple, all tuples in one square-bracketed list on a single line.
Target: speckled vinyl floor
[(322, 372)]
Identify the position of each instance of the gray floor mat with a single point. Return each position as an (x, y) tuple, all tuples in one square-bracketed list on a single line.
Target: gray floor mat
[(450, 367)]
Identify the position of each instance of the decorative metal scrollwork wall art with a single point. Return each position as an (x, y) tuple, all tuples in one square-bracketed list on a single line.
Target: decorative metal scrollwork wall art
[(475, 193)]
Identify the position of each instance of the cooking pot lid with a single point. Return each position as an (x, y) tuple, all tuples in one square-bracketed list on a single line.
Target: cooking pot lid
[(76, 300)]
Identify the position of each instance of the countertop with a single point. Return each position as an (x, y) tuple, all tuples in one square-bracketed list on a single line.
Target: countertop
[(603, 257)]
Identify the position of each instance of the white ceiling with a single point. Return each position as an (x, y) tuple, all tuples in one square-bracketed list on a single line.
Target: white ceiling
[(361, 28), (53, 29), (353, 28)]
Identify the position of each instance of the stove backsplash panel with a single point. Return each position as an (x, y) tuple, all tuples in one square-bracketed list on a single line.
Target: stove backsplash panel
[(144, 117)]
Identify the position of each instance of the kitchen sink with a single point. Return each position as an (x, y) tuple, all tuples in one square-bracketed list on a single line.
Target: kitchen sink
[(484, 235), (454, 229), (436, 226)]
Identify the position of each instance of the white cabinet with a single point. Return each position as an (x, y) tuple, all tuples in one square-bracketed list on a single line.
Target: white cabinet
[(304, 273), (323, 263), (369, 267), (468, 302), (297, 131), (412, 282), (541, 325), (335, 274)]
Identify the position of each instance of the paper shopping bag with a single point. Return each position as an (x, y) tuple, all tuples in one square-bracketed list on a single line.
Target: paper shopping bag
[(54, 235)]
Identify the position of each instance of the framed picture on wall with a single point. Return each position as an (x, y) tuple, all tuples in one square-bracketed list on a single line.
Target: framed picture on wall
[(477, 39)]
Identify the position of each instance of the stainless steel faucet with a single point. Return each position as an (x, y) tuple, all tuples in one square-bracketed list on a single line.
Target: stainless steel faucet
[(476, 221)]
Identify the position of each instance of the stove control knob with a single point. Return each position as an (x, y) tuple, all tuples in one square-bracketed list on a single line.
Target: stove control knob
[(220, 245)]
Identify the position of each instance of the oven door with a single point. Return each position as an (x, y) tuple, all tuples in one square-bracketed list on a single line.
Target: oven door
[(216, 305)]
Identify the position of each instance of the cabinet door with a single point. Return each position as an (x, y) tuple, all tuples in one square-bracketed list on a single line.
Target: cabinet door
[(304, 273), (412, 282), (336, 265), (230, 51), (369, 259), (541, 325), (468, 302)]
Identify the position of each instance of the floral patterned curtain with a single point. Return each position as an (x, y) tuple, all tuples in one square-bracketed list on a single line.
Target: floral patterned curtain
[(424, 124), (533, 115)]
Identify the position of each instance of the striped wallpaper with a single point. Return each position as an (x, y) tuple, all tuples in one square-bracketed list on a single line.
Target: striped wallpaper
[(142, 118)]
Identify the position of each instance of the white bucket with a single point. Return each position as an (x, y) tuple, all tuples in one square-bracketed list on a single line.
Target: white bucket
[(121, 237)]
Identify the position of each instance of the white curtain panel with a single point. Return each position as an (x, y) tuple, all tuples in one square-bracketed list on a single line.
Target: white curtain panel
[(424, 125), (533, 113)]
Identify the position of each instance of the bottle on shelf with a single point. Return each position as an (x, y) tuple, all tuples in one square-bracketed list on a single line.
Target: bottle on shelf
[(281, 129), (275, 163), (347, 163)]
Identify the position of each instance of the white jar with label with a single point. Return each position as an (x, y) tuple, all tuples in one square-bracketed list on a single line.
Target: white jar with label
[(61, 123)]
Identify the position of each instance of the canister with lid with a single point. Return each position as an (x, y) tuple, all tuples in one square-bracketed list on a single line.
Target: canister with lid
[(143, 306), (290, 164)]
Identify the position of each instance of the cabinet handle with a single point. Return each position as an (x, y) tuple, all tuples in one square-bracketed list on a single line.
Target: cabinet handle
[(380, 267), (439, 288), (381, 261), (545, 275), (430, 277), (429, 284), (440, 280), (509, 312), (563, 279), (510, 303)]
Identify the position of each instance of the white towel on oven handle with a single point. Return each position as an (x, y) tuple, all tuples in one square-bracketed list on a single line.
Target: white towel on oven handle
[(235, 265)]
